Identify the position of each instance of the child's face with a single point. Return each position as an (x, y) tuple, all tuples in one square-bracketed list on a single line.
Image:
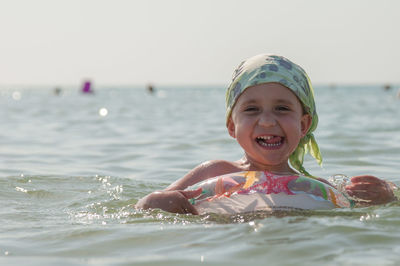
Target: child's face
[(268, 122)]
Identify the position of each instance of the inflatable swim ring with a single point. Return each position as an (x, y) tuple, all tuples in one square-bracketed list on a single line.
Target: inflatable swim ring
[(263, 191)]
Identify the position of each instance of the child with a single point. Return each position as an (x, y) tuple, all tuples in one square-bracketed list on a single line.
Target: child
[(271, 114)]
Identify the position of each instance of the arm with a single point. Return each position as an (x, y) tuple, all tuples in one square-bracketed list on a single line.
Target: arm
[(371, 190), (174, 198), (202, 172), (176, 201)]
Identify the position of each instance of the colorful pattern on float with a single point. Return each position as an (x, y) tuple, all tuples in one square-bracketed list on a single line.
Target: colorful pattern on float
[(267, 191)]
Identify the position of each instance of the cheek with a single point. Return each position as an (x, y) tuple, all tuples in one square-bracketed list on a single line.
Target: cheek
[(294, 127), (243, 129)]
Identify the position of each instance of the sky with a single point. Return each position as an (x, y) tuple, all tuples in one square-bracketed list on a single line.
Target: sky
[(187, 42)]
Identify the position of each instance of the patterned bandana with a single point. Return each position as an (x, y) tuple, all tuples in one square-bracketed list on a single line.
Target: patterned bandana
[(266, 68)]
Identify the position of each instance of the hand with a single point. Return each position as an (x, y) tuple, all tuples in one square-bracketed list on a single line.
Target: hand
[(371, 190), (176, 201)]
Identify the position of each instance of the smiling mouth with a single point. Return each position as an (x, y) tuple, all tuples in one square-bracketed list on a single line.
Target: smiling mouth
[(270, 141)]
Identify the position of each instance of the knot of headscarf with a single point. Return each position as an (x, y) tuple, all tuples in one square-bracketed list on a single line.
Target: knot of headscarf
[(266, 68)]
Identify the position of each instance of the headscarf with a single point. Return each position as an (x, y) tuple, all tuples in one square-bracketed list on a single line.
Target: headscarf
[(266, 68)]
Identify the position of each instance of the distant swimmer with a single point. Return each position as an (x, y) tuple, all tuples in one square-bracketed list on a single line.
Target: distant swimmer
[(57, 91), (87, 87), (150, 88), (387, 87)]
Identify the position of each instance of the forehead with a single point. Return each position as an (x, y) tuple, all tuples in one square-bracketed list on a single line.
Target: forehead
[(269, 91)]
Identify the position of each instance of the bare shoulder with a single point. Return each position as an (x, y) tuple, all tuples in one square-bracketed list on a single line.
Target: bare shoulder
[(217, 167), (205, 171)]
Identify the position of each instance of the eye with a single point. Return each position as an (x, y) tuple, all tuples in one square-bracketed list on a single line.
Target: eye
[(251, 109), (282, 108)]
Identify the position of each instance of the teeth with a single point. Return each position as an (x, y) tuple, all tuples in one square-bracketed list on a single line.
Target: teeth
[(262, 140), (269, 145), (265, 137)]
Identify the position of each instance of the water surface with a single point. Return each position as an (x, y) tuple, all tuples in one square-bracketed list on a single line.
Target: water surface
[(73, 165)]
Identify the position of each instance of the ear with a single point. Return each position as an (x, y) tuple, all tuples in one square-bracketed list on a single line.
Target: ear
[(231, 127), (306, 121)]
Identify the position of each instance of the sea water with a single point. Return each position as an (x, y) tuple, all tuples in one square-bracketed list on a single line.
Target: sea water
[(73, 165)]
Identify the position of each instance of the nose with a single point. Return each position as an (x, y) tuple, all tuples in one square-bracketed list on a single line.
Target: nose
[(267, 120)]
